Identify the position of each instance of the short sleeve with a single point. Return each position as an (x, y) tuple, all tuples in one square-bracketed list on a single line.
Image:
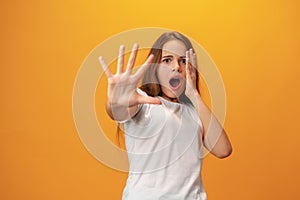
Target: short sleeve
[(141, 92)]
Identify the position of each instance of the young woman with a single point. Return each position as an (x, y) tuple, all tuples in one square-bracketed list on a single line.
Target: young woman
[(166, 122)]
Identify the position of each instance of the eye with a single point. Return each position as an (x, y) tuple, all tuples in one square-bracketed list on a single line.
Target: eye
[(166, 60), (183, 61)]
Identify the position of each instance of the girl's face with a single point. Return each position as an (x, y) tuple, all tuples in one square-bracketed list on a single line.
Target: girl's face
[(171, 70)]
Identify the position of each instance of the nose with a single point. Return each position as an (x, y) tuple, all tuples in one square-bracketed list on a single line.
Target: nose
[(177, 67)]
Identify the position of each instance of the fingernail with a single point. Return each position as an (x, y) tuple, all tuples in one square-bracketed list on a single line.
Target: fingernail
[(135, 46), (101, 60)]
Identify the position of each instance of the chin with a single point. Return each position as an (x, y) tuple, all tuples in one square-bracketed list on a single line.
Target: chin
[(173, 94)]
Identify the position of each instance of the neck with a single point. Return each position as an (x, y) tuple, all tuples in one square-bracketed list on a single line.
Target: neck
[(170, 98)]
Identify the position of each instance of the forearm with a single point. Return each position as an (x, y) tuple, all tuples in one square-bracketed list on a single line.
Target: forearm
[(214, 136)]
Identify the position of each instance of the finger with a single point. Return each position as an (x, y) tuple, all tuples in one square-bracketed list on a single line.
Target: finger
[(147, 100), (143, 68), (193, 66), (187, 66), (189, 52), (121, 59), (193, 58), (105, 67), (132, 58)]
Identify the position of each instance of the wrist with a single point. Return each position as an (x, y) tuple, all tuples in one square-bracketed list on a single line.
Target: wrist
[(117, 112), (192, 92)]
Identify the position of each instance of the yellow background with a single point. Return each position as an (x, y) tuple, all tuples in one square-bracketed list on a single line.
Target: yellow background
[(255, 45)]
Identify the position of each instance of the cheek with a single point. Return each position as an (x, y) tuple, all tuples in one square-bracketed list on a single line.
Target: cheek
[(183, 73), (162, 73)]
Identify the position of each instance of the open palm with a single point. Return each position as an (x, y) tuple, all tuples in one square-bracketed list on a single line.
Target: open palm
[(122, 86)]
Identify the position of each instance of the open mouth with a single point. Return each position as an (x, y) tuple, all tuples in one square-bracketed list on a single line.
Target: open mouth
[(174, 83)]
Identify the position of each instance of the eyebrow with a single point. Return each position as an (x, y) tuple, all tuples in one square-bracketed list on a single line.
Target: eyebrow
[(171, 56)]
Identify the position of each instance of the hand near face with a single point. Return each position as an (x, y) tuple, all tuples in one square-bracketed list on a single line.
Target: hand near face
[(122, 85), (191, 77)]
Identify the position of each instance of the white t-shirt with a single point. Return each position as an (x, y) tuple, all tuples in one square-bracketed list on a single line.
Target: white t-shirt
[(164, 146)]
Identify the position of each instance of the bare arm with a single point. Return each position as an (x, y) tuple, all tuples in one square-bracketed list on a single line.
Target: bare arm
[(214, 136), (122, 113)]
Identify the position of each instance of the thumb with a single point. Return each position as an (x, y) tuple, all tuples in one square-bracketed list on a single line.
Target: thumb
[(147, 100)]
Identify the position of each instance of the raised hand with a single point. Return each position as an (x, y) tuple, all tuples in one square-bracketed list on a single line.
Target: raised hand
[(123, 97), (191, 79)]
